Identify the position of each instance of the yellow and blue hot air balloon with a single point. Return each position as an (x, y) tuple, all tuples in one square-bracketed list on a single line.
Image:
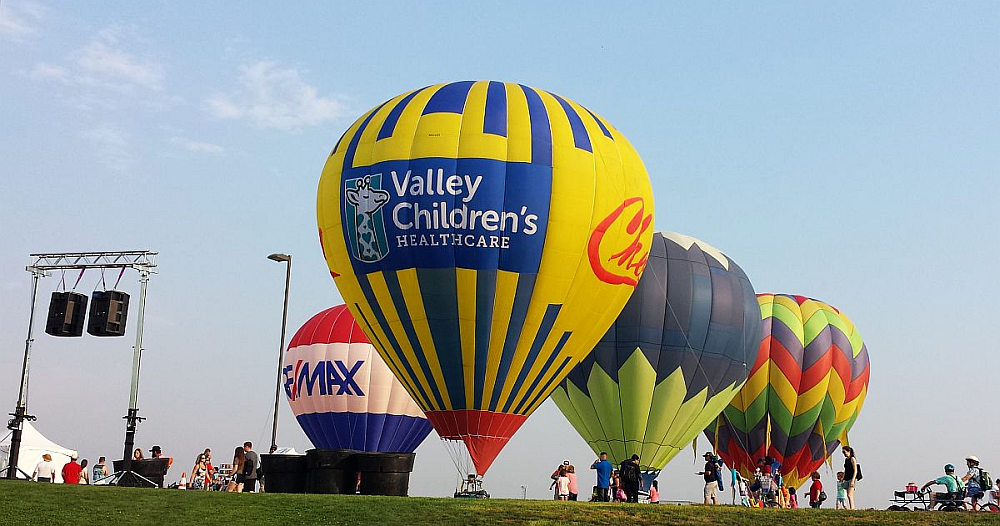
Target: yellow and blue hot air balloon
[(485, 235)]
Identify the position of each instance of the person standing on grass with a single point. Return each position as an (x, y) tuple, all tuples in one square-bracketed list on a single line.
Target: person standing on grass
[(209, 469), (71, 471), (198, 472), (630, 478), (654, 493), (814, 490), (250, 465), (101, 470), (45, 471), (555, 476), (841, 491), (84, 474), (603, 469), (562, 485), (711, 477), (574, 489), (236, 480), (850, 473)]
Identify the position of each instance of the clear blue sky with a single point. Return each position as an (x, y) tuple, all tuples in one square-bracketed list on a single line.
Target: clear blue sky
[(847, 152)]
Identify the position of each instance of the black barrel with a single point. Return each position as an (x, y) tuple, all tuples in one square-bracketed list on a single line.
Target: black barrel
[(384, 473), (331, 471), (285, 473)]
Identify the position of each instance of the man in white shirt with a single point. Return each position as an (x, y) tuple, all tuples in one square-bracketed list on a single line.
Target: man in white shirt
[(45, 471)]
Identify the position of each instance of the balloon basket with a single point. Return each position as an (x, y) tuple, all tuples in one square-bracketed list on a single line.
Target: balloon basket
[(285, 473)]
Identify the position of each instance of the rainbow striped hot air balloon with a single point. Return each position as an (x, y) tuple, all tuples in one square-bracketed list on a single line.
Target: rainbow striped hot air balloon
[(342, 393), (804, 392), (485, 235)]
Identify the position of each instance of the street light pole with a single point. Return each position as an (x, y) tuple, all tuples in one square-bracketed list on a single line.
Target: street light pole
[(281, 348)]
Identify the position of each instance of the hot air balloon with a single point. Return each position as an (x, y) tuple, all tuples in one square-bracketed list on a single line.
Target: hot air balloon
[(485, 235), (675, 357), (342, 393), (804, 392)]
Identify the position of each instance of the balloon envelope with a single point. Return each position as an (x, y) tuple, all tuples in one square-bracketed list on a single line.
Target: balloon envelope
[(342, 393), (675, 357), (485, 235), (804, 392)]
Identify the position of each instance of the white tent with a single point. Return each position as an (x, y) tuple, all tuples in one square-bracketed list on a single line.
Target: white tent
[(33, 446)]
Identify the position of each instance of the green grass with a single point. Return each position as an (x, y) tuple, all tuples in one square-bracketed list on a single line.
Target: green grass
[(24, 503)]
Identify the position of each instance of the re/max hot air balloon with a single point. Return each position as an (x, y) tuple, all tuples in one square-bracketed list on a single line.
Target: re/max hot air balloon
[(804, 392), (342, 393), (485, 235), (675, 357)]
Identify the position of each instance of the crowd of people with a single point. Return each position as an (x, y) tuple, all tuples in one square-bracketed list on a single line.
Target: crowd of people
[(766, 489), (242, 476)]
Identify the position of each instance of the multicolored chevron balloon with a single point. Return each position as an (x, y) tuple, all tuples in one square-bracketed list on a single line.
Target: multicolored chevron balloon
[(804, 392), (675, 357)]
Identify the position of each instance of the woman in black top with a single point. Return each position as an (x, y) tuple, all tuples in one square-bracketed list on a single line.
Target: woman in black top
[(850, 473)]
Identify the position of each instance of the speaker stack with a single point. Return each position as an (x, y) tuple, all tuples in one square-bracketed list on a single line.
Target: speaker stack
[(108, 310), (67, 311)]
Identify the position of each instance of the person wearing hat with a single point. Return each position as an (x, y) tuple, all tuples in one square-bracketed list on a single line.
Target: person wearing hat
[(71, 471), (956, 489), (711, 475), (555, 477), (45, 471), (157, 452), (973, 481), (630, 477)]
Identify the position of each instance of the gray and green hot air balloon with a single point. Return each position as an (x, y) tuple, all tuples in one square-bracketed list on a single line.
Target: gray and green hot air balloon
[(678, 353)]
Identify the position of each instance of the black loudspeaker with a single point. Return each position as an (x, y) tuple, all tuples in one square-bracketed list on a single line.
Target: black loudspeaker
[(108, 310), (67, 312)]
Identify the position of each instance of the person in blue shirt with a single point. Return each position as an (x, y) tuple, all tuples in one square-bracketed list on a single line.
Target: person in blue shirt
[(603, 468)]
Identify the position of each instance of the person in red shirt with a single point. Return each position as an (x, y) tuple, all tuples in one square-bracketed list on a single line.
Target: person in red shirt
[(71, 471), (814, 491)]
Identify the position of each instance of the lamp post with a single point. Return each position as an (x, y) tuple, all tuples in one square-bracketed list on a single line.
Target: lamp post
[(280, 258)]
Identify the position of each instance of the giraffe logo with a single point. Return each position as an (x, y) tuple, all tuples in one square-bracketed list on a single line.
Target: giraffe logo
[(366, 230)]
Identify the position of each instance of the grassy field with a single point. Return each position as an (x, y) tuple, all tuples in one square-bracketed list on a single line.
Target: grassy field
[(24, 503)]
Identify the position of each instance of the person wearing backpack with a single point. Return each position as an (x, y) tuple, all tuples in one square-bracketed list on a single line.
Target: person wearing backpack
[(816, 493), (975, 480), (852, 473), (956, 489)]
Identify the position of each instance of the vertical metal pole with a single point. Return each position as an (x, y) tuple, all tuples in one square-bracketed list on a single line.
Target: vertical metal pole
[(20, 412), (281, 352), (132, 418)]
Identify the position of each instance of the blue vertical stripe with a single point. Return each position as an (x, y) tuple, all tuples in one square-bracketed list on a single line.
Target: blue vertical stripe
[(541, 132), (495, 115), (449, 99), (389, 126), (393, 344), (604, 128), (486, 286), (396, 294), (439, 292), (558, 374), (548, 364), (518, 313), (581, 139), (549, 318), (352, 147)]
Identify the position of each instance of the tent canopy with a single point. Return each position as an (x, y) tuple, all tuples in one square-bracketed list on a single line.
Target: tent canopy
[(33, 446)]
